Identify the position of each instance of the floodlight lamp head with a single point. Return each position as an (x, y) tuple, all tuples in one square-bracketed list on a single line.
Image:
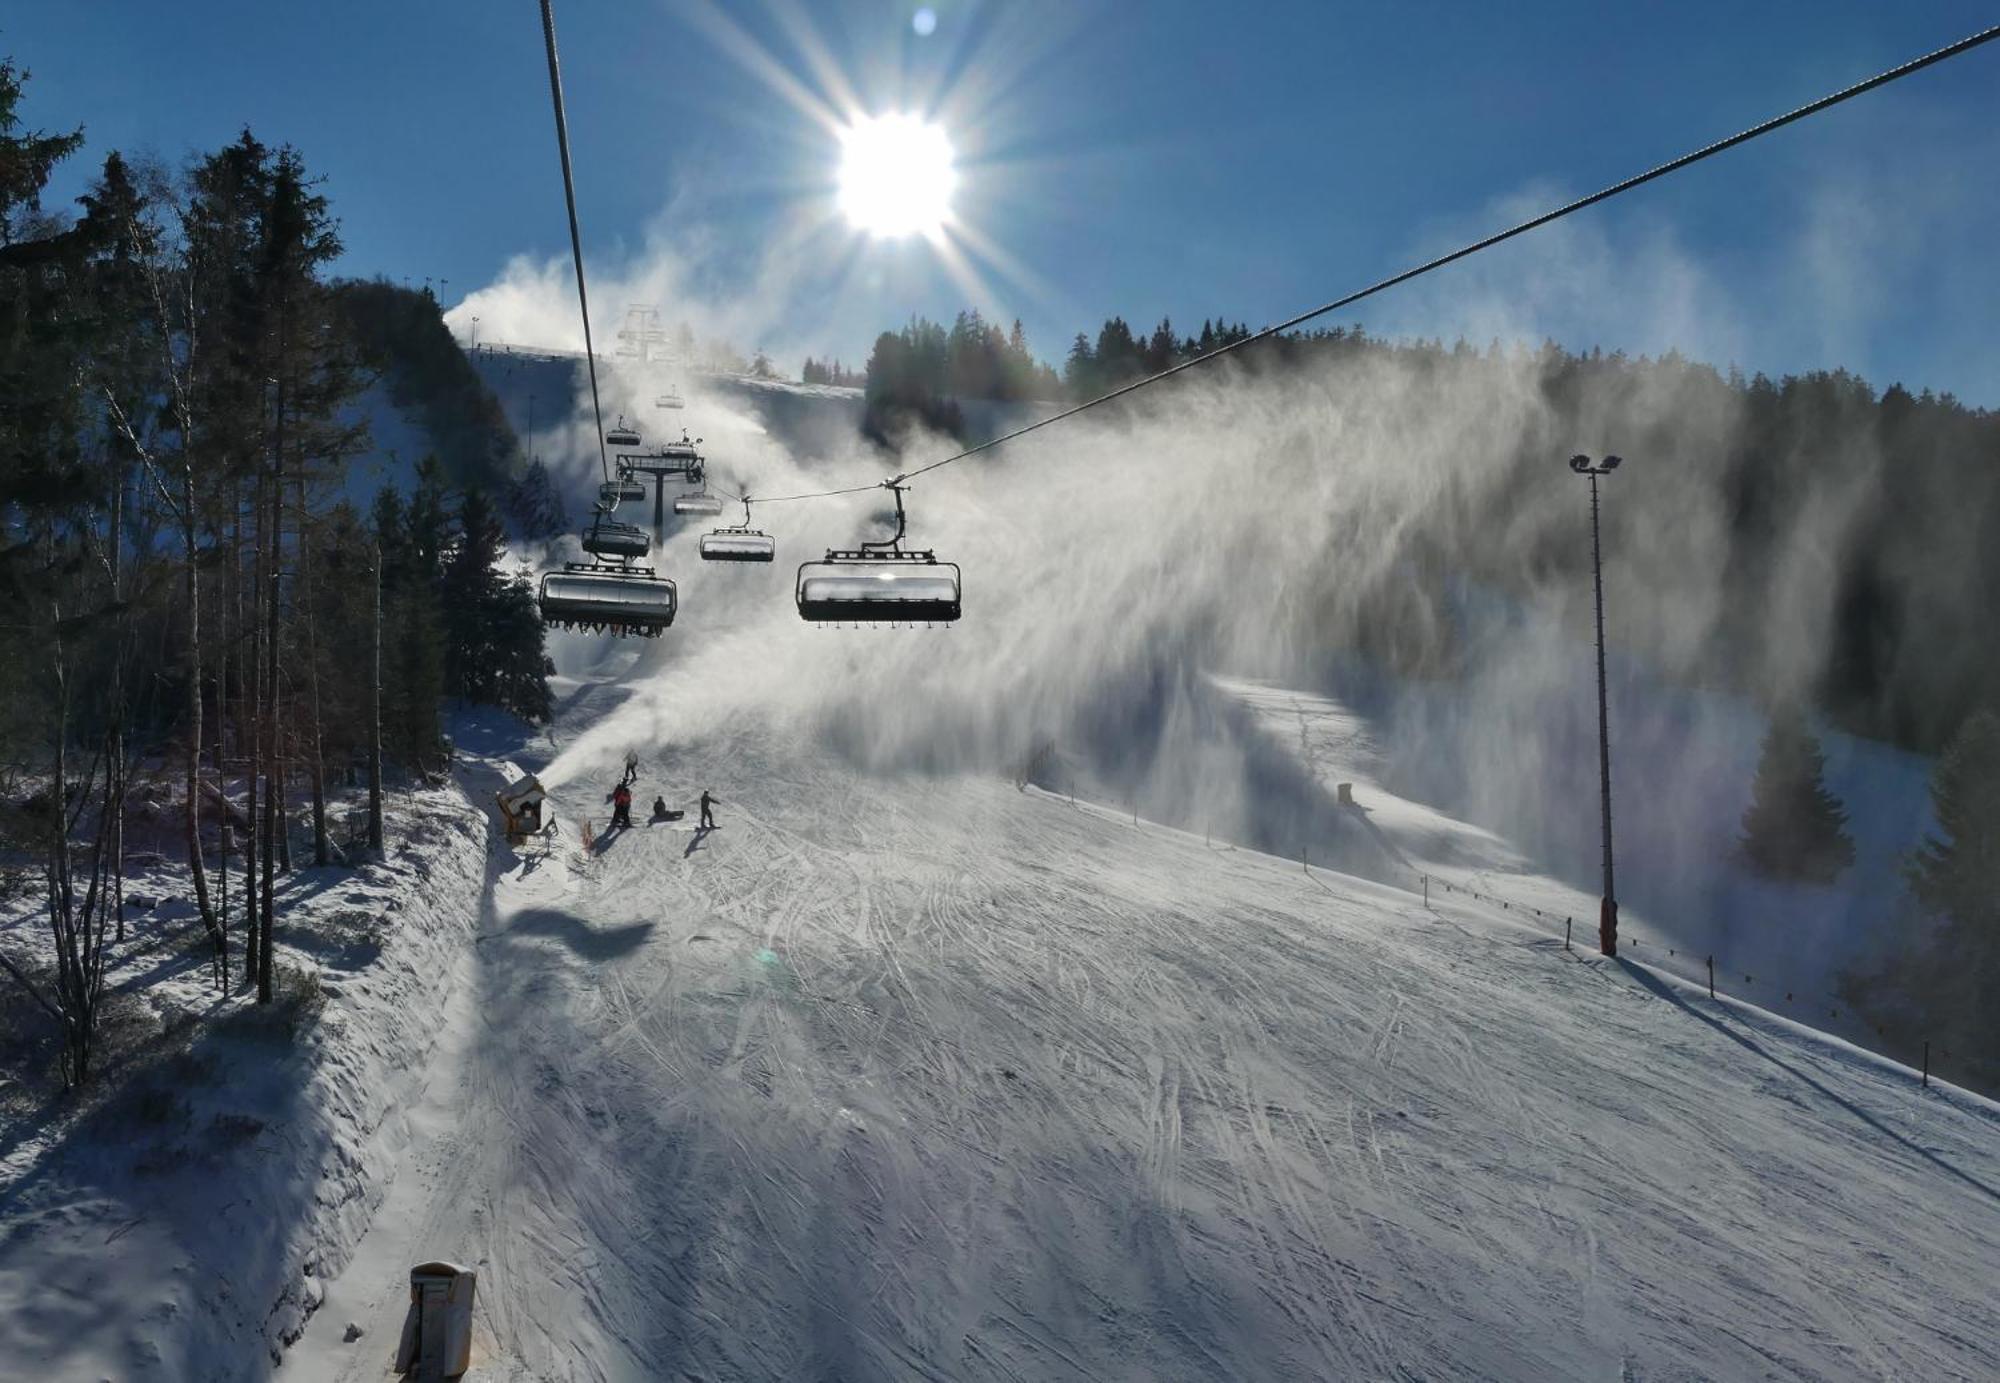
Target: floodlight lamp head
[(1610, 463), (1580, 464)]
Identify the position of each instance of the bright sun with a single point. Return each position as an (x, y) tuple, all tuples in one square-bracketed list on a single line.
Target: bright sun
[(896, 175)]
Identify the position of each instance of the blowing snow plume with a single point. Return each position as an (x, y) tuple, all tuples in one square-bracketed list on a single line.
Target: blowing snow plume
[(1392, 522), (1242, 522)]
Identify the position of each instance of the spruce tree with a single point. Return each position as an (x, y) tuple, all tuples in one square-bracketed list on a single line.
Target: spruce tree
[(469, 586), (1794, 828), (412, 637), (493, 635), (534, 507), (1956, 873)]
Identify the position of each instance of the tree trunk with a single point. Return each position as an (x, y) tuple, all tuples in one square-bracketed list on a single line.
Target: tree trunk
[(315, 757), (197, 871), (115, 739), (375, 722), (252, 719), (274, 786), (222, 826)]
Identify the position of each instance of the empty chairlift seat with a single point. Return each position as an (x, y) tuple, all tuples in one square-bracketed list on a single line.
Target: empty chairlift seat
[(738, 545), (620, 435), (626, 489), (706, 506), (610, 538), (879, 588), (669, 400), (616, 600)]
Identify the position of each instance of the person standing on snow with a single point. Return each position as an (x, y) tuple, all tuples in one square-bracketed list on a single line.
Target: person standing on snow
[(631, 767), (621, 806), (707, 816)]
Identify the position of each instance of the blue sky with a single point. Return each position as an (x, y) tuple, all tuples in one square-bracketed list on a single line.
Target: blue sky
[(1151, 159)]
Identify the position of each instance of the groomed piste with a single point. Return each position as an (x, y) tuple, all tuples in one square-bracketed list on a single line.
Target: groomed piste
[(935, 1077)]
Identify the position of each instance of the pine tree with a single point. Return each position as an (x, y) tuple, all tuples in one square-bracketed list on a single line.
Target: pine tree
[(1080, 370), (1794, 828), (521, 664), (534, 506), (412, 638), (493, 636), (1956, 873), (469, 583)]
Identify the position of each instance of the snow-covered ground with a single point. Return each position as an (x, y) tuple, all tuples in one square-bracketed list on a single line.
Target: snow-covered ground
[(182, 1228), (1787, 947), (926, 1076)]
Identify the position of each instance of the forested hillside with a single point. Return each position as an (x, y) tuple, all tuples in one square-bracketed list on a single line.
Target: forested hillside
[(1753, 504), (195, 618)]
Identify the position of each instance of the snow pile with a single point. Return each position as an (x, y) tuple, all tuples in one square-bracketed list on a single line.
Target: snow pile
[(183, 1228)]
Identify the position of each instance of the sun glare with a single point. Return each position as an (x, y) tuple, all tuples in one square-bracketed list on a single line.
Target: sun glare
[(896, 175)]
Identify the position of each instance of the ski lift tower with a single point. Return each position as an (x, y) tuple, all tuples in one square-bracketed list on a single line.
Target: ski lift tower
[(641, 333), (682, 459)]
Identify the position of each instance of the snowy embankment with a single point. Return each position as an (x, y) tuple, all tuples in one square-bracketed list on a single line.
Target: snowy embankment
[(183, 1224), (1786, 946), (924, 1076)]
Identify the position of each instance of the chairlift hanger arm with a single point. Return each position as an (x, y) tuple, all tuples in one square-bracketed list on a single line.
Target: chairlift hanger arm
[(894, 543)]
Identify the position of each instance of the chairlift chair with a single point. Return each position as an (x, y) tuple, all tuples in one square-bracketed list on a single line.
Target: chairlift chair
[(609, 538), (669, 400), (629, 488), (704, 505), (619, 435), (623, 601), (880, 582), (739, 544)]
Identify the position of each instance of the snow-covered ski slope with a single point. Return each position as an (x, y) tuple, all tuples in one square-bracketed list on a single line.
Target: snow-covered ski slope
[(930, 1077)]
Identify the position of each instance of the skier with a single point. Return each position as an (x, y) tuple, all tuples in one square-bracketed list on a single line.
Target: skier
[(621, 806), (631, 767), (707, 817)]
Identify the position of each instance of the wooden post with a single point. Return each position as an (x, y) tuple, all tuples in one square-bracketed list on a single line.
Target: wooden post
[(1927, 1064), (1711, 977), (1427, 888), (1566, 928)]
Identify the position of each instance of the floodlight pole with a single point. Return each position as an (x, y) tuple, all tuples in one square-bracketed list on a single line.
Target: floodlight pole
[(1607, 920)]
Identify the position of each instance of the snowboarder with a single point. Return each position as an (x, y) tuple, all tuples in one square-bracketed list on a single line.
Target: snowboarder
[(631, 767), (707, 816), (621, 806), (659, 809)]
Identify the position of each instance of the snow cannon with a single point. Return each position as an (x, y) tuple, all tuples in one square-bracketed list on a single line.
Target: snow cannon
[(521, 808)]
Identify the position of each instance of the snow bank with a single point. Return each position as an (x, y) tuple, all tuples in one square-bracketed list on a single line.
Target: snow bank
[(183, 1226)]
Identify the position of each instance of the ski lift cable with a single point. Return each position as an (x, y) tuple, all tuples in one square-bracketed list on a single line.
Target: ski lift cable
[(575, 238), (1777, 122)]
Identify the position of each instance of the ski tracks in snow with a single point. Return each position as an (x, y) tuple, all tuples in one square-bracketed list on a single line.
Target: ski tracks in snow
[(931, 1078)]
